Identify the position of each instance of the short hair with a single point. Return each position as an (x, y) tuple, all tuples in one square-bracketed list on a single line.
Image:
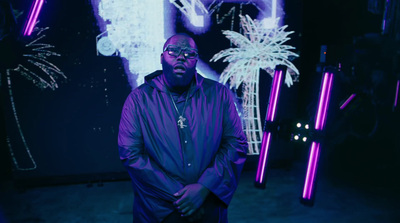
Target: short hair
[(179, 34)]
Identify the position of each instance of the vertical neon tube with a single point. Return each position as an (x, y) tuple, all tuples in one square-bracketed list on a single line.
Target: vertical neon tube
[(347, 101), (311, 170), (275, 94), (323, 104), (326, 101), (30, 17), (321, 101), (385, 17), (263, 157), (397, 95), (271, 113), (33, 15)]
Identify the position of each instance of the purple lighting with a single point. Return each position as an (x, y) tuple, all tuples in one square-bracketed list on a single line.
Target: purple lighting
[(274, 95), (397, 95), (271, 113), (33, 15), (263, 157), (311, 170), (347, 101), (320, 118), (385, 16), (323, 101)]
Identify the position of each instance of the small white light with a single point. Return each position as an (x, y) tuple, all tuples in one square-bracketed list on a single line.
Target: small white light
[(296, 137), (306, 126), (298, 125), (304, 139)]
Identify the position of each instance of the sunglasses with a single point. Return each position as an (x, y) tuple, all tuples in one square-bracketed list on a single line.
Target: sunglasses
[(175, 51)]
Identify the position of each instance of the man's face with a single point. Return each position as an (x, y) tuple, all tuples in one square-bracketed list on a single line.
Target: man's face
[(179, 69)]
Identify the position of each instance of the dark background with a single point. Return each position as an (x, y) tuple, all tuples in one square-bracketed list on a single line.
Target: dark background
[(72, 131)]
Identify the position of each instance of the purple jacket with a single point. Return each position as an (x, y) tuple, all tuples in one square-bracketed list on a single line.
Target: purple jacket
[(162, 158)]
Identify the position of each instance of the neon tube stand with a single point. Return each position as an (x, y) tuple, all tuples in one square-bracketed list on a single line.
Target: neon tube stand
[(308, 195), (270, 125)]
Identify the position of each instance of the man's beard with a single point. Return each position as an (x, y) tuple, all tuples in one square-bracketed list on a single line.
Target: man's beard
[(178, 82)]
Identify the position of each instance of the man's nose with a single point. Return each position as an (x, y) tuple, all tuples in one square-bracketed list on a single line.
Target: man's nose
[(181, 56)]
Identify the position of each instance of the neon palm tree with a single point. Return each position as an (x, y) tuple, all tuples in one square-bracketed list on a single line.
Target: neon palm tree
[(34, 65), (259, 47)]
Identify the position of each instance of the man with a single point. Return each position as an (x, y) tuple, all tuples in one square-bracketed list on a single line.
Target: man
[(181, 140)]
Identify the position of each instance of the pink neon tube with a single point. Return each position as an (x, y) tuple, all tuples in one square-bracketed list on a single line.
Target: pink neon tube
[(326, 101), (33, 17), (397, 94), (271, 112), (274, 94), (263, 157), (311, 170), (321, 102), (319, 125), (347, 101)]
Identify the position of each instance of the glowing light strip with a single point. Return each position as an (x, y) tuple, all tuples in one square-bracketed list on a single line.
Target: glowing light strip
[(319, 125), (263, 157), (265, 143), (326, 102), (311, 170), (385, 16), (321, 101), (347, 101), (397, 94), (273, 11), (33, 17), (274, 94)]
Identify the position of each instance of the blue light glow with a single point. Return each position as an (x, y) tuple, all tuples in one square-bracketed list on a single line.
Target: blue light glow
[(138, 28)]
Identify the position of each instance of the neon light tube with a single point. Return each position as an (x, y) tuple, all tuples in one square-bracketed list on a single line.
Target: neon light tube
[(326, 101), (263, 157), (33, 15), (397, 95), (323, 101), (311, 171), (271, 113), (385, 16), (274, 94), (347, 101), (322, 110)]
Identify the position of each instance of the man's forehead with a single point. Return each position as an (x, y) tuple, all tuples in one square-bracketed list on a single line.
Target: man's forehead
[(182, 41)]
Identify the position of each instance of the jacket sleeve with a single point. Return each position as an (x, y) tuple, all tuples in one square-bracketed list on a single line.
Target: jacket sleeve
[(147, 176), (222, 175)]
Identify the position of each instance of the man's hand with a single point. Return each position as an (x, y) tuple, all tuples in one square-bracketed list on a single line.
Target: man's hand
[(191, 198)]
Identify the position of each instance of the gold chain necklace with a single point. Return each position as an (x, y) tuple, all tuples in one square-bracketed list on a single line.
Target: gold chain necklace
[(181, 121)]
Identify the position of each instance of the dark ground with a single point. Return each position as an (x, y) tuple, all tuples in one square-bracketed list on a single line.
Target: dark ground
[(339, 199)]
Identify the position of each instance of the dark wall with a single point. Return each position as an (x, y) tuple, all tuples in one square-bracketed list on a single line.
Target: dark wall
[(361, 140), (73, 130), (5, 159)]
